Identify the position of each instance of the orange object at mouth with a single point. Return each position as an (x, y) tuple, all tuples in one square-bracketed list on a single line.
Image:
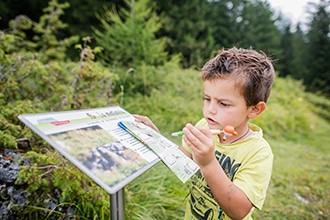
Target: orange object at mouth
[(230, 130)]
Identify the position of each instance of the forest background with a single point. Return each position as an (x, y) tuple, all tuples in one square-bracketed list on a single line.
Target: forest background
[(145, 56)]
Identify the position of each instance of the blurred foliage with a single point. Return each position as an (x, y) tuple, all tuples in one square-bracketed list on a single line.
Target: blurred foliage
[(194, 29)]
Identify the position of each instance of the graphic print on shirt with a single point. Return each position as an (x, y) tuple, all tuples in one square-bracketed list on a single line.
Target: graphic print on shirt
[(203, 205)]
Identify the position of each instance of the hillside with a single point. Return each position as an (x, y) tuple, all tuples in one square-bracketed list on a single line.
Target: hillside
[(295, 123)]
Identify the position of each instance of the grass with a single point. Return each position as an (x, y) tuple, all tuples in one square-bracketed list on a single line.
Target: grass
[(296, 124), (157, 194)]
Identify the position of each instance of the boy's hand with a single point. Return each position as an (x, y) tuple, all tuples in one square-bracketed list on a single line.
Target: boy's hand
[(201, 142), (145, 120)]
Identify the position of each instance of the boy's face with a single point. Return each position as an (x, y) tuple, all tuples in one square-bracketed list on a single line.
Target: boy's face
[(224, 105)]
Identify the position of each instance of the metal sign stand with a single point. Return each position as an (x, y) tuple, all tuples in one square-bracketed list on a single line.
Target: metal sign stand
[(117, 205)]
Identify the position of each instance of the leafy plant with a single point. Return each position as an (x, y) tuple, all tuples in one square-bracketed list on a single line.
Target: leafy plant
[(35, 78), (48, 180)]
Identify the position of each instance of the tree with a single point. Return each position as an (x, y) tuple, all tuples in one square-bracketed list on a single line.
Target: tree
[(187, 30), (81, 15), (224, 18), (9, 9), (259, 28), (78, 14), (298, 64), (245, 24), (318, 50), (128, 35), (131, 47), (287, 45)]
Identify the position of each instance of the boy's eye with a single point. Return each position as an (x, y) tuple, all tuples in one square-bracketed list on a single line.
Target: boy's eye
[(224, 104), (206, 98)]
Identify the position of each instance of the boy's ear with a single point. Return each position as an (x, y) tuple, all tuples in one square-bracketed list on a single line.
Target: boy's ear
[(257, 109)]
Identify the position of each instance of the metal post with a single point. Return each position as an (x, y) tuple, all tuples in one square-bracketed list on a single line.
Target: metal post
[(117, 205)]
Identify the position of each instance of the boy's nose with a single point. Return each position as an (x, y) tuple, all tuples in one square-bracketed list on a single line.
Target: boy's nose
[(212, 108)]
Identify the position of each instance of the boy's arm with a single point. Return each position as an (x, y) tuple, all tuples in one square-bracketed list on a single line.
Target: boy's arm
[(231, 199)]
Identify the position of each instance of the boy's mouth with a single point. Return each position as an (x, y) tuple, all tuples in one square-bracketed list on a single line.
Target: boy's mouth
[(210, 121)]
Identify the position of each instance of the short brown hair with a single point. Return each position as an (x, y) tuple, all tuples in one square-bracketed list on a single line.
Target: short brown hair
[(252, 71)]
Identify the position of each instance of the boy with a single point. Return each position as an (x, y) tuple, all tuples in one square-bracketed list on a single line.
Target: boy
[(234, 173)]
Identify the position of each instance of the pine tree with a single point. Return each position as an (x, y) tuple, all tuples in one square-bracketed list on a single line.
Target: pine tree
[(245, 24), (298, 64), (188, 31), (225, 17), (259, 28), (128, 35), (287, 58), (318, 51)]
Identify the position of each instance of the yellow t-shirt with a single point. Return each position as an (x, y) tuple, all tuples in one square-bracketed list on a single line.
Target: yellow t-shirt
[(248, 163)]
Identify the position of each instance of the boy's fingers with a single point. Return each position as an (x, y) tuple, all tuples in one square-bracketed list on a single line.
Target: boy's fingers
[(145, 120), (191, 136)]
